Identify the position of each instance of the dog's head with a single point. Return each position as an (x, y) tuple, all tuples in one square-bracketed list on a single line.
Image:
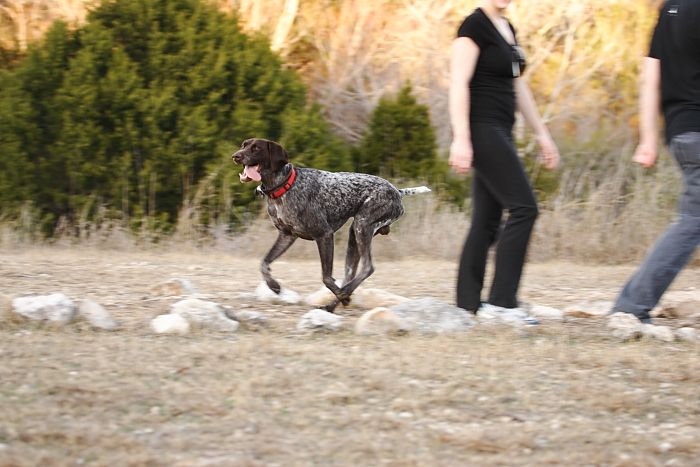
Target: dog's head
[(260, 157)]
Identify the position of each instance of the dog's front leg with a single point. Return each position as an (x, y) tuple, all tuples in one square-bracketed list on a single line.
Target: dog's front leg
[(325, 251), (282, 244)]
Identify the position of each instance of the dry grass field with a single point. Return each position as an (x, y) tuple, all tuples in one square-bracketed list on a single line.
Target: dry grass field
[(563, 393)]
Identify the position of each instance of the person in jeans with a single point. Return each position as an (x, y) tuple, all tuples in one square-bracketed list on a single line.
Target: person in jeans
[(671, 77), (485, 89)]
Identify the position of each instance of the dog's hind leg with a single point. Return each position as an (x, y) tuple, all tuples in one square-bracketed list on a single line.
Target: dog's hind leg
[(375, 219), (282, 244), (352, 258), (363, 237)]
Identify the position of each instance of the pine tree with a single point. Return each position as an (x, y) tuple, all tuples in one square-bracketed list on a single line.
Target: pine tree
[(400, 141)]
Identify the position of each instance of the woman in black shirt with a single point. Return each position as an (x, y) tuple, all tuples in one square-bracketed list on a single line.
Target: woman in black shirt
[(485, 87)]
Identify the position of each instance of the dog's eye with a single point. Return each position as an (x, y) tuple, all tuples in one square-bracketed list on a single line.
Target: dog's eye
[(254, 148)]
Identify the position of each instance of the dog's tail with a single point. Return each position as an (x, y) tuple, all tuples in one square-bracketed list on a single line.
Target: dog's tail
[(416, 190)]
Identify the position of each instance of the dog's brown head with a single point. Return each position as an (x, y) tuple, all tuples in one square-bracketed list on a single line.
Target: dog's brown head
[(260, 157)]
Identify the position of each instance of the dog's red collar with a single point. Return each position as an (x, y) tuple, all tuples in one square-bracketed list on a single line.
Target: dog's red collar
[(277, 192)]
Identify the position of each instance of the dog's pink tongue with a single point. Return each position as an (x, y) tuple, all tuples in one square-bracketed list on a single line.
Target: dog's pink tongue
[(251, 171)]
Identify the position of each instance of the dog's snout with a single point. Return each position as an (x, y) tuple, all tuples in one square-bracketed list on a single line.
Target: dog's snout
[(236, 157)]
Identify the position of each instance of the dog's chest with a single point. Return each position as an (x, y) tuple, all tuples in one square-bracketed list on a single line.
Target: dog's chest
[(290, 220)]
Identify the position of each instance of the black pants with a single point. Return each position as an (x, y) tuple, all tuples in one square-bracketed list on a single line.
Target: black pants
[(499, 182)]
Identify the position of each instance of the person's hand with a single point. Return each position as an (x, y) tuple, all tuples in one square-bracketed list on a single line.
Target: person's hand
[(645, 155), (549, 154), (461, 154)]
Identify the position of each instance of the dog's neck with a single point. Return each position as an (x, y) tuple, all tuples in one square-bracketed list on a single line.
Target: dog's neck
[(273, 180)]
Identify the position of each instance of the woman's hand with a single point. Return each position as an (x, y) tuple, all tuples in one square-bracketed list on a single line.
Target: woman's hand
[(645, 155), (461, 155), (549, 154)]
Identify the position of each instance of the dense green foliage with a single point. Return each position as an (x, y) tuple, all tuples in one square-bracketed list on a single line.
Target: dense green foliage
[(131, 110), (135, 116), (400, 141)]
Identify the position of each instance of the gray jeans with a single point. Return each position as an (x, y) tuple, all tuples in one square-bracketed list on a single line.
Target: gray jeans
[(676, 246)]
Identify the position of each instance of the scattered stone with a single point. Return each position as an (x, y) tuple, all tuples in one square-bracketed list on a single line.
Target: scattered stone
[(597, 309), (380, 321), (625, 326), (663, 333), (427, 315), (173, 288), (688, 334), (97, 316), (265, 294), (204, 313), (545, 312), (170, 324), (248, 318), (684, 310), (56, 308), (375, 298), (665, 447), (321, 297), (320, 320)]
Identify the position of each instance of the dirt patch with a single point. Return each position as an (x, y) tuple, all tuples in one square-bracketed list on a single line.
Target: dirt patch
[(563, 393)]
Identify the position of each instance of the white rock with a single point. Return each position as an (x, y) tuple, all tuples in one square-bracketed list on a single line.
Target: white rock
[(380, 320), (545, 312), (684, 310), (321, 297), (320, 320), (688, 334), (252, 319), (427, 315), (56, 308), (204, 313), (625, 326), (170, 324), (665, 446), (97, 316), (174, 288), (596, 309), (375, 298), (265, 294), (663, 333)]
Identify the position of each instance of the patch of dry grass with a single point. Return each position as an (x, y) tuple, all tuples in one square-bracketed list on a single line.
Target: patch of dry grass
[(561, 394)]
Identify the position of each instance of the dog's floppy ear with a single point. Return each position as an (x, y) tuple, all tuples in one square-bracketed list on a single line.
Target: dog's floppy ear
[(278, 156)]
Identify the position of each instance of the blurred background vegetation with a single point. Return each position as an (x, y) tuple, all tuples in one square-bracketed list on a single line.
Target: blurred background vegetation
[(122, 114)]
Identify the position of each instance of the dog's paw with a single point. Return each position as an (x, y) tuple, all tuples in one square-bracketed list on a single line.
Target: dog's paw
[(275, 287)]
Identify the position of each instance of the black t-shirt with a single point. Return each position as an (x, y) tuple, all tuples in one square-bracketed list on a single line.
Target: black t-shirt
[(676, 43), (492, 94)]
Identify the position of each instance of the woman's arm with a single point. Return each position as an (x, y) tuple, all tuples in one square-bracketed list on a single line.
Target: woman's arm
[(526, 105), (649, 104), (465, 53)]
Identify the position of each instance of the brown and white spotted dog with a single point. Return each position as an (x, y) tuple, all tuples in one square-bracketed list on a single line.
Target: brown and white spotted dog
[(313, 204)]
